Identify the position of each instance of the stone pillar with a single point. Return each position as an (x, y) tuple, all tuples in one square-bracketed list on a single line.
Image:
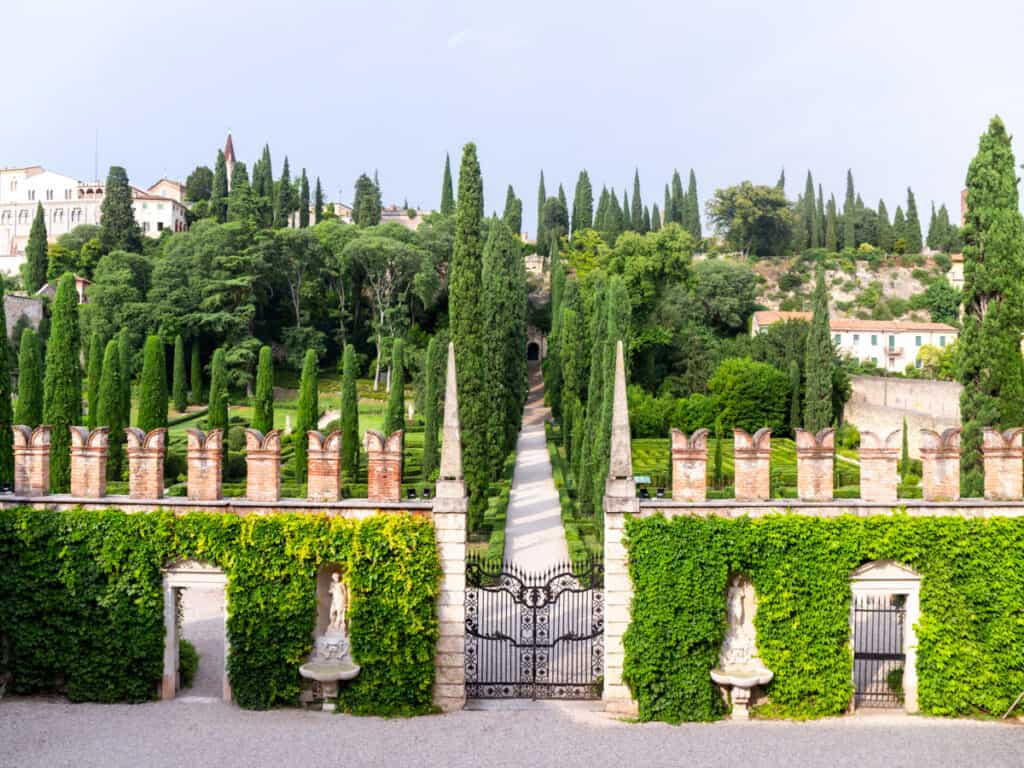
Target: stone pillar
[(689, 465), (878, 466), (450, 507), (146, 462), (814, 463), (1004, 464), (384, 465), (751, 464), (89, 462), (262, 465), (31, 460), (940, 460), (324, 474), (205, 458)]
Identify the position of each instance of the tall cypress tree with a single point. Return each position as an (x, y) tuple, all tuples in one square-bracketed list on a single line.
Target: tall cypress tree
[(810, 214), (447, 196), (263, 401), (179, 387), (118, 230), (366, 202), (30, 380), (655, 218), (582, 204), (217, 415), (819, 218), (795, 404), (636, 212), (899, 230), (431, 411), (587, 459), (542, 197), (62, 386), (124, 359), (93, 373), (153, 386), (318, 202), (831, 226), (849, 214), (303, 200), (692, 214), (669, 215), (818, 361), (219, 194), (912, 231), (283, 202), (781, 183), (885, 238), (241, 201), (109, 409), (349, 416), (513, 215), (36, 260), (601, 213), (647, 219), (616, 330), (196, 375), (394, 413), (678, 199), (6, 410), (991, 368), (933, 229), (308, 411)]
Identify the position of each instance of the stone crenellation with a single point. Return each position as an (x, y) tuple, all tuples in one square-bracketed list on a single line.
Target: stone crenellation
[(815, 457), (751, 464), (89, 462), (263, 465), (690, 465), (384, 465), (324, 470), (146, 462)]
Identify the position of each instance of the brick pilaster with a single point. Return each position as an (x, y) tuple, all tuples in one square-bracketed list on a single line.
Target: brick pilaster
[(146, 462), (89, 462), (384, 465), (878, 466), (31, 460), (689, 465), (751, 464), (324, 475), (262, 465), (940, 461), (815, 456), (205, 460), (1004, 464)]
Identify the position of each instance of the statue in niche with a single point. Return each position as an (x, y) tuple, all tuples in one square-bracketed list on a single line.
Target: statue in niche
[(339, 598), (739, 669), (331, 661)]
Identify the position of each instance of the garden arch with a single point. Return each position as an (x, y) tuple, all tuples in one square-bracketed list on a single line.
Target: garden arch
[(536, 344)]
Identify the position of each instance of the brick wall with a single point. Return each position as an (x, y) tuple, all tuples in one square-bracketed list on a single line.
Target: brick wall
[(31, 460), (689, 465), (384, 465), (324, 475), (751, 464), (89, 462), (940, 460), (814, 464), (205, 460), (146, 462), (1004, 463), (263, 465)]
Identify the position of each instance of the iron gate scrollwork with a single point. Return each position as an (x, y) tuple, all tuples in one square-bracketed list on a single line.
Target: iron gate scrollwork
[(534, 635)]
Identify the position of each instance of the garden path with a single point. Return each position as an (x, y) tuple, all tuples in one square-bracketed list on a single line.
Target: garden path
[(534, 537)]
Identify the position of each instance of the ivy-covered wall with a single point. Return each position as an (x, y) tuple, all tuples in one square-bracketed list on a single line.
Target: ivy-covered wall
[(970, 635), (81, 602)]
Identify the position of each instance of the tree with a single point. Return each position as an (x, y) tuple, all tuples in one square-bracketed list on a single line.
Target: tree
[(542, 198), (636, 212), (678, 199), (62, 386), (303, 200), (819, 218), (217, 416), (726, 294), (809, 214), (199, 184), (447, 196), (124, 361), (668, 214), (196, 375), (242, 205), (153, 386), (754, 219), (691, 215), (284, 199), (655, 218), (818, 362), (36, 258), (912, 230), (991, 368), (263, 402), (627, 212), (904, 455), (366, 202), (555, 221), (94, 371), (349, 416), (219, 193), (394, 413), (582, 204), (179, 387), (849, 214), (781, 183), (110, 410), (432, 396), (30, 380), (749, 395), (885, 234), (513, 215), (831, 241), (795, 403), (318, 202), (6, 411), (616, 329), (308, 412), (899, 231), (933, 236)]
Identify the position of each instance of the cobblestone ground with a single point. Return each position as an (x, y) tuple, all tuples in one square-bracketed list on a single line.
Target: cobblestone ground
[(52, 732)]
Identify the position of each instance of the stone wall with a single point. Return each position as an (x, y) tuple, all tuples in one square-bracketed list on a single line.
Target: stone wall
[(880, 404)]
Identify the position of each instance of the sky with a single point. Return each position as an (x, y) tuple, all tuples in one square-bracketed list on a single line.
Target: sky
[(898, 91)]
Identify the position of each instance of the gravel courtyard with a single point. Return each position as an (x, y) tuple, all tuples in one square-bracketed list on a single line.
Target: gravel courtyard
[(51, 732)]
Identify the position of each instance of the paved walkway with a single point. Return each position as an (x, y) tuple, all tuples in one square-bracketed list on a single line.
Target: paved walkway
[(534, 537), (52, 733)]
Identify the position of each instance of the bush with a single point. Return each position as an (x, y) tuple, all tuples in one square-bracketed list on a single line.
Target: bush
[(943, 262), (234, 466), (175, 466), (848, 436), (188, 663), (692, 413), (236, 439), (649, 416), (749, 395)]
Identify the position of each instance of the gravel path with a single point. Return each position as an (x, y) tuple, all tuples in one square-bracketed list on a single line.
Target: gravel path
[(45, 732)]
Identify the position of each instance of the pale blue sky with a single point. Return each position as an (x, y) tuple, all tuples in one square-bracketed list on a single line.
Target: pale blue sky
[(898, 91)]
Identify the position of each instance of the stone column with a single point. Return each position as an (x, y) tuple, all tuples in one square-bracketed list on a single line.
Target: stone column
[(751, 464), (384, 465), (31, 460), (878, 466), (689, 465), (450, 507), (89, 462), (1004, 464), (146, 462), (814, 463), (205, 459), (324, 474), (940, 460), (262, 465)]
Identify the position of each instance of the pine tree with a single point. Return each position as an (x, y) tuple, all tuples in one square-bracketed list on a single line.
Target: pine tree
[(636, 212), (678, 199), (283, 202), (93, 372), (513, 215), (124, 361), (394, 413), (692, 214), (179, 387), (818, 361), (303, 200), (655, 218), (794, 396), (447, 196), (431, 396), (542, 240), (912, 232), (36, 259), (217, 415), (62, 386), (118, 230), (885, 238), (318, 202), (6, 410), (308, 411), (582, 204), (831, 240), (810, 214), (991, 366), (349, 416), (219, 194), (263, 402), (109, 409), (849, 214), (196, 375), (153, 386), (30, 380)]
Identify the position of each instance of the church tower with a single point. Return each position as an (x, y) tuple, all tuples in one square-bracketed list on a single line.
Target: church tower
[(229, 158)]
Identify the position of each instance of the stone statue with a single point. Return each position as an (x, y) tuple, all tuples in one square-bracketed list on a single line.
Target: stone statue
[(739, 668), (339, 597), (331, 660)]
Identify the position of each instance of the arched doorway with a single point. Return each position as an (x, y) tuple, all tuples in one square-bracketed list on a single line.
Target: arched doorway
[(533, 351)]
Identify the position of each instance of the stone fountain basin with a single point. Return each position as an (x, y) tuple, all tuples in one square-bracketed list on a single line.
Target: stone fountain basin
[(743, 676), (329, 671)]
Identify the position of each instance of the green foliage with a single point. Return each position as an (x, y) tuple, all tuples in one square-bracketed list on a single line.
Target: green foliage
[(750, 395), (217, 417), (36, 257), (394, 413), (912, 225), (284, 198), (349, 416), (110, 410), (513, 214), (195, 389), (179, 387), (188, 663), (199, 184), (118, 230), (308, 412), (94, 371), (62, 385), (30, 380), (303, 200), (153, 387), (263, 402), (219, 193), (726, 294), (818, 363), (6, 410), (801, 568), (582, 204), (447, 195), (366, 205), (754, 219), (114, 612)]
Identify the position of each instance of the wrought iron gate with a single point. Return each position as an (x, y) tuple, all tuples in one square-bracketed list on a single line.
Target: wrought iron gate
[(534, 635), (878, 653)]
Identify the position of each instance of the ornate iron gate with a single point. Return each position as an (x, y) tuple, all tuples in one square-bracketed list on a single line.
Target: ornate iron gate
[(878, 653), (534, 635)]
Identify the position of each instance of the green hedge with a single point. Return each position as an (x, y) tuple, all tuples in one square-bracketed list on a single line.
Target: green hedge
[(81, 603), (970, 636)]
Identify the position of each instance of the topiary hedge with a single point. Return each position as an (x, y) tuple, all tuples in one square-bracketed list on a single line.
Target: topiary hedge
[(81, 603), (970, 657)]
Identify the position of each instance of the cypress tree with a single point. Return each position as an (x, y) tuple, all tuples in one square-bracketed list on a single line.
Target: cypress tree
[(912, 231), (394, 413), (655, 218), (318, 202), (217, 415), (366, 202), (636, 212), (196, 375), (62, 386), (241, 201), (933, 229), (36, 258), (431, 396), (818, 362), (124, 360), (849, 214), (263, 401), (647, 219), (601, 213), (899, 231), (30, 380), (627, 213), (219, 194), (810, 214), (308, 411), (781, 183), (350, 416), (513, 215), (905, 455), (118, 230), (991, 367), (153, 386), (179, 388), (587, 458), (615, 225), (794, 396), (109, 410), (678, 199), (582, 204), (692, 215), (6, 410), (94, 372), (283, 203), (542, 197), (264, 189), (303, 200), (669, 215), (819, 219), (831, 238), (885, 238), (447, 196)]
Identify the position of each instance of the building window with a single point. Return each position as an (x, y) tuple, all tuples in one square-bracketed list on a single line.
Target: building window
[(892, 342), (76, 215), (917, 363), (838, 338), (942, 341), (856, 338), (145, 205), (67, 194), (917, 341), (159, 226), (23, 216), (31, 194), (159, 206), (874, 341), (145, 226)]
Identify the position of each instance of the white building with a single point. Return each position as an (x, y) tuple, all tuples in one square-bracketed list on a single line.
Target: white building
[(891, 344), (68, 203)]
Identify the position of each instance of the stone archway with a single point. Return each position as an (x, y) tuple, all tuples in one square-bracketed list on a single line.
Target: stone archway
[(536, 344), (182, 575)]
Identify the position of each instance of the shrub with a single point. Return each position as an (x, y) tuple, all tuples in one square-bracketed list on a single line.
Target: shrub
[(188, 663), (749, 395), (694, 412), (848, 436)]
